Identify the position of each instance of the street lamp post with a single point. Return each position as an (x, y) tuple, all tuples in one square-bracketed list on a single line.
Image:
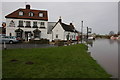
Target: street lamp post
[(81, 31), (87, 33)]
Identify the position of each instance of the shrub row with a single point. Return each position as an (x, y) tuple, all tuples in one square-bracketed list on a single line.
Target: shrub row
[(41, 41)]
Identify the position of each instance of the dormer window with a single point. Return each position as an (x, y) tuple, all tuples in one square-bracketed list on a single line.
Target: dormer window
[(21, 13), (40, 14), (31, 14)]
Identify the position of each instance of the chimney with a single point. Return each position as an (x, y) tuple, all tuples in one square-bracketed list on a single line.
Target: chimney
[(72, 26), (70, 23), (27, 6), (60, 20)]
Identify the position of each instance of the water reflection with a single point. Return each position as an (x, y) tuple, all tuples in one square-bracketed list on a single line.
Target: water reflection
[(90, 42), (113, 41), (105, 51)]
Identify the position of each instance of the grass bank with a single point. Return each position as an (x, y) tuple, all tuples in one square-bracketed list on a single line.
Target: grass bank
[(58, 62)]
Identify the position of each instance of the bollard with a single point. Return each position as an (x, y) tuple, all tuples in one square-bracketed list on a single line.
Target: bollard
[(4, 46)]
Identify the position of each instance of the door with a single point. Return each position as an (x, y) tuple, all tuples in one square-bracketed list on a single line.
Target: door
[(29, 36), (26, 36)]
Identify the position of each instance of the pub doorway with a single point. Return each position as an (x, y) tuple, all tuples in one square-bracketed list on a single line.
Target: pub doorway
[(28, 35)]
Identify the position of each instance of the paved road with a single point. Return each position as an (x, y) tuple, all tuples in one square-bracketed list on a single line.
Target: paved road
[(20, 45)]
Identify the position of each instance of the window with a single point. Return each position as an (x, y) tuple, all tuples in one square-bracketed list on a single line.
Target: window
[(40, 14), (36, 33), (56, 35), (34, 24), (42, 25), (20, 23), (18, 34), (12, 24), (20, 13), (74, 36), (28, 24), (31, 14), (67, 36), (10, 34)]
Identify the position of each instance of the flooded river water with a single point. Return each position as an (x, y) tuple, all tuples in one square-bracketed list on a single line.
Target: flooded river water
[(105, 52)]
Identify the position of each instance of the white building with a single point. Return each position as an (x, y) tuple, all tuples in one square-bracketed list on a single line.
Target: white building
[(61, 31), (33, 24), (27, 23)]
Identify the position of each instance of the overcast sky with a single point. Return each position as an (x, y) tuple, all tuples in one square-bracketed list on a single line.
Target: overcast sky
[(102, 17)]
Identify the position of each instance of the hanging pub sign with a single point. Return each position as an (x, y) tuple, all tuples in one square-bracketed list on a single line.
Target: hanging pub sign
[(4, 24), (89, 30)]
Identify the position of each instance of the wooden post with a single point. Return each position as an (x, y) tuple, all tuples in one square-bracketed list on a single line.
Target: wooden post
[(4, 46)]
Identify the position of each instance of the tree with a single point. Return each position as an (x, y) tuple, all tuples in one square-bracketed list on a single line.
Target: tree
[(111, 33)]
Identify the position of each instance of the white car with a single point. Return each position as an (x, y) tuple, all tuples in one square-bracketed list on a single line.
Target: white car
[(92, 38), (8, 39)]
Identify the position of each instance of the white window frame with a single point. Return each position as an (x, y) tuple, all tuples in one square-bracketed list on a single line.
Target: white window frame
[(20, 21), (31, 14), (20, 13), (40, 14)]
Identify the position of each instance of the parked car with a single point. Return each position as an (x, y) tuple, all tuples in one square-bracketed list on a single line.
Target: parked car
[(91, 38), (8, 39)]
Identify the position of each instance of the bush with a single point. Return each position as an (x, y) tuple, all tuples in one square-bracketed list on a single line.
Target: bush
[(59, 42), (41, 41)]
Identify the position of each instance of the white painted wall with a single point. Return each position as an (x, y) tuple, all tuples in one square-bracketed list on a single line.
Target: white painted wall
[(58, 30), (50, 37), (16, 21), (62, 33), (72, 35)]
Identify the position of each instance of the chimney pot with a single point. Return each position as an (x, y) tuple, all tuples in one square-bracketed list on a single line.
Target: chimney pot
[(27, 6), (70, 23), (60, 20)]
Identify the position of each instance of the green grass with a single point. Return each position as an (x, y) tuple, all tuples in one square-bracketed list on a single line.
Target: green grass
[(57, 62)]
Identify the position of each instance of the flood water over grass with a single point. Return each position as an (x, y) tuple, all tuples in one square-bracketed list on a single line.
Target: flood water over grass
[(57, 62), (105, 51)]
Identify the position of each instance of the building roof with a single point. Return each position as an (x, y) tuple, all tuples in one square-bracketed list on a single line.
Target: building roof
[(50, 26), (25, 15), (66, 27)]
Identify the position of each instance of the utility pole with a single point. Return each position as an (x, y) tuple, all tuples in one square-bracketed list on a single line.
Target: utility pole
[(87, 33), (81, 31)]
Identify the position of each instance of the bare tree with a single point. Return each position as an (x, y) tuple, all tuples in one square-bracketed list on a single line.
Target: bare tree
[(111, 33)]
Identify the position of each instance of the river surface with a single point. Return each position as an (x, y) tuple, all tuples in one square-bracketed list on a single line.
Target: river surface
[(105, 52)]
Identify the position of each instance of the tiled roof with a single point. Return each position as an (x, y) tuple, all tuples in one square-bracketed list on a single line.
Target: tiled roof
[(66, 27), (50, 27), (25, 15)]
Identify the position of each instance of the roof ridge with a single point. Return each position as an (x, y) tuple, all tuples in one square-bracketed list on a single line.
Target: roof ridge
[(32, 9)]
